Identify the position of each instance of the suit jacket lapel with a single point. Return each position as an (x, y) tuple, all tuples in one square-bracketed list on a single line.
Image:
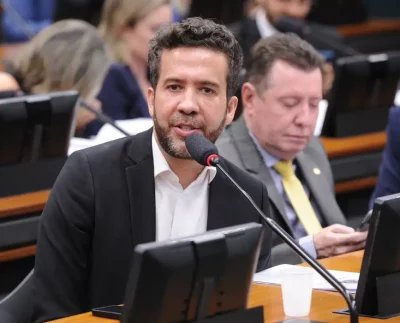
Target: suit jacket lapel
[(254, 164), (320, 190), (140, 178)]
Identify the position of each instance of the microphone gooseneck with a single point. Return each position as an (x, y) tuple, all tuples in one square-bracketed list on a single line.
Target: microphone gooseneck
[(205, 153), (103, 117)]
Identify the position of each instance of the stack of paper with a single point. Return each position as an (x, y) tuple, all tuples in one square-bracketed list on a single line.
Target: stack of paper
[(273, 276), (108, 133)]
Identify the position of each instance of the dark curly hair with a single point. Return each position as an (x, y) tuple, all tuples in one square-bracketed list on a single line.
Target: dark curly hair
[(197, 32)]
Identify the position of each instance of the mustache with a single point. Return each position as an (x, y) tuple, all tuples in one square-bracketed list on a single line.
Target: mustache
[(194, 121)]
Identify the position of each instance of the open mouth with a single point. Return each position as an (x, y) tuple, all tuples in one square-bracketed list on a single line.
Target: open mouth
[(185, 130)]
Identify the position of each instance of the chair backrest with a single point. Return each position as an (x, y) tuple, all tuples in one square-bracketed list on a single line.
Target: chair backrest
[(17, 307)]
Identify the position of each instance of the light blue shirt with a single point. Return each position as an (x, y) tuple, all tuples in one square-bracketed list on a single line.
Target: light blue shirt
[(306, 241)]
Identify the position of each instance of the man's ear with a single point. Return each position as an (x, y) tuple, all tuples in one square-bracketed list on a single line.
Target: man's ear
[(150, 100), (232, 105), (249, 94)]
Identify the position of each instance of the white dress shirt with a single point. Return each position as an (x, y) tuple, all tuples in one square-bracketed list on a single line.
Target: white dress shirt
[(179, 212), (265, 28)]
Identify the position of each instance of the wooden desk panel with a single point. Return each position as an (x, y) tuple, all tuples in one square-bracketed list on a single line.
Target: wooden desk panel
[(370, 27), (341, 147), (23, 204), (270, 297)]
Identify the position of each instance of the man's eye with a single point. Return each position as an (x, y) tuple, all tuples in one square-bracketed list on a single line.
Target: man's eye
[(207, 90), (290, 104), (174, 87)]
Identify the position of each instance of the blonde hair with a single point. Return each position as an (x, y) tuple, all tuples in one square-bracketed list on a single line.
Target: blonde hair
[(123, 13), (69, 54)]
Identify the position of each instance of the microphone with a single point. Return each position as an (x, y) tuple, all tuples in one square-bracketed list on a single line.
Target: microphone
[(300, 27), (103, 117), (205, 153)]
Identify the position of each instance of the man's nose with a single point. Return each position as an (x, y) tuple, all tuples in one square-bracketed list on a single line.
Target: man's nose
[(188, 104)]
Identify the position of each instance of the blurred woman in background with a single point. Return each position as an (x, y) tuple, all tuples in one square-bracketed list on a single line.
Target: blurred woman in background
[(127, 26), (68, 55)]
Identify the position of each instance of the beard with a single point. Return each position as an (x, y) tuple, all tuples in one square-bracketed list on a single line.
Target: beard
[(174, 146)]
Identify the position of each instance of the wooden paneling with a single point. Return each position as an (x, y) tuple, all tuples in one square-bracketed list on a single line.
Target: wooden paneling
[(341, 147), (23, 204), (372, 26), (18, 253)]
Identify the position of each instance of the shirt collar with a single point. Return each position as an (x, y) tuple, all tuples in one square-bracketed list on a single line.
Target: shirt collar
[(161, 166), (269, 160), (265, 28)]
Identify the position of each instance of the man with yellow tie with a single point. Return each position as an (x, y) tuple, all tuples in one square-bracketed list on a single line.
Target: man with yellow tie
[(274, 141)]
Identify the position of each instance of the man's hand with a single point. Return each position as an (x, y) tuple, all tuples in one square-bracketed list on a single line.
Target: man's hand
[(338, 239)]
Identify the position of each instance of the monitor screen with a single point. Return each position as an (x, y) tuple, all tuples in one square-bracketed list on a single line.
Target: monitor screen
[(381, 258), (364, 89), (181, 280), (35, 127)]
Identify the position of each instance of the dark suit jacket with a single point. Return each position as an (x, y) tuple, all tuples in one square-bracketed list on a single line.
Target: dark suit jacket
[(103, 205), (236, 145), (247, 34), (120, 97), (389, 171)]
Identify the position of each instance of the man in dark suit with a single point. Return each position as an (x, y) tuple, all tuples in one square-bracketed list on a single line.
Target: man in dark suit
[(274, 142), (389, 171), (251, 29), (110, 198)]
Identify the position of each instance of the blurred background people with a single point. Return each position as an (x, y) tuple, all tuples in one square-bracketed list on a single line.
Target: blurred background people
[(67, 55), (127, 27), (23, 19)]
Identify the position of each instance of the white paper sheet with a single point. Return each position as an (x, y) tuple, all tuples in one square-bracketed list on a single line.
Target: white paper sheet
[(322, 108), (272, 276), (108, 133)]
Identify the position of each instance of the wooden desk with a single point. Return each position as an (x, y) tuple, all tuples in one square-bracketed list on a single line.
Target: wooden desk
[(21, 205), (370, 27), (351, 146), (270, 297)]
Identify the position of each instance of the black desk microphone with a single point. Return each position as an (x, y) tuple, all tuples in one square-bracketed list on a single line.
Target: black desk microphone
[(205, 153)]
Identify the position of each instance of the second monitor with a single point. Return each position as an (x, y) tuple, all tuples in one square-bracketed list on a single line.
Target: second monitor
[(364, 89)]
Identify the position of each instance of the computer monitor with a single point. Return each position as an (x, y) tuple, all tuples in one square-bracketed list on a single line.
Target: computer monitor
[(378, 290), (36, 127), (192, 278), (364, 89)]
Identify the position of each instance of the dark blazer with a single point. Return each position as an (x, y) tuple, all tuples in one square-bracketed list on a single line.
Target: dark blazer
[(121, 98), (103, 205), (247, 34), (236, 145), (389, 171)]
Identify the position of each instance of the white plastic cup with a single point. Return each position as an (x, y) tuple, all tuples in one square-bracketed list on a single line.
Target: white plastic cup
[(297, 285)]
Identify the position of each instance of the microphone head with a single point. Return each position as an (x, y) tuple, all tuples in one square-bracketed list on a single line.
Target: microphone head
[(292, 25), (201, 149)]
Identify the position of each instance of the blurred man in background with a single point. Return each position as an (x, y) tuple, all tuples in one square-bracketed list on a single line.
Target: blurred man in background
[(263, 24)]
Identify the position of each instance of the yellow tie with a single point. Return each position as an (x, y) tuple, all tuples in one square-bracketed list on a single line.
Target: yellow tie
[(298, 197)]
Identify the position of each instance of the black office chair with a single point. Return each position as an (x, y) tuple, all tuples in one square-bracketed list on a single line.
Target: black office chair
[(17, 306)]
